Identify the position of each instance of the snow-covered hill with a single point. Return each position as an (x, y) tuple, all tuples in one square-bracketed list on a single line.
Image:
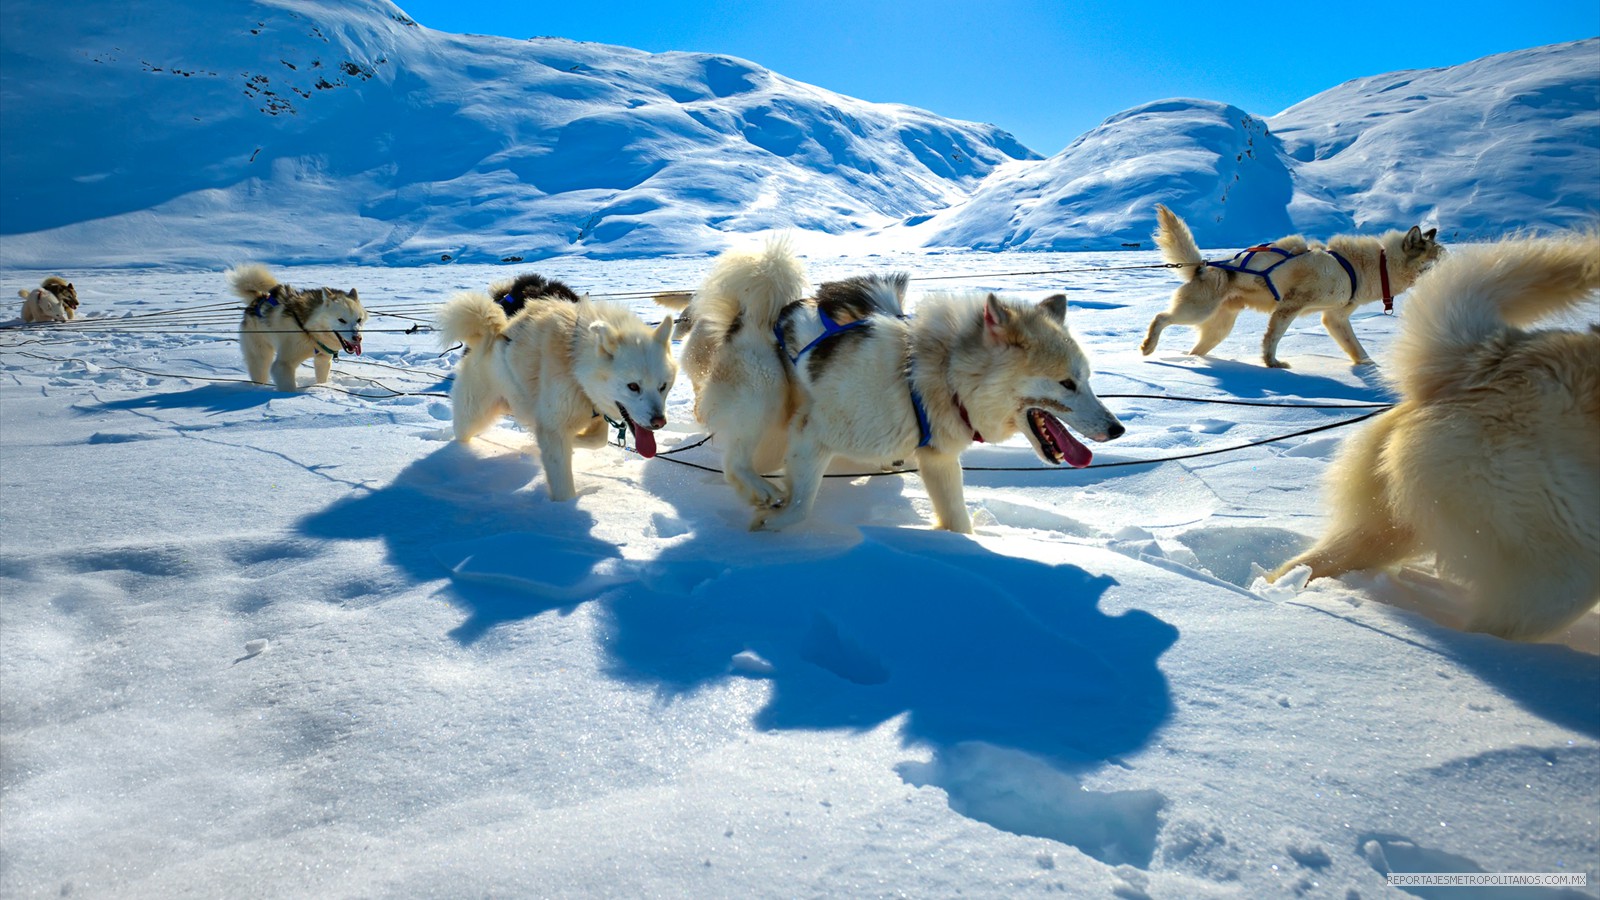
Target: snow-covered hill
[(294, 130), (1502, 143)]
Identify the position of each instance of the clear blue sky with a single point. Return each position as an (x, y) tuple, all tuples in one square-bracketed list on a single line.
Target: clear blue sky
[(1047, 70)]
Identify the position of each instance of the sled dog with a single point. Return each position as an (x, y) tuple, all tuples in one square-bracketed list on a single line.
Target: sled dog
[(1288, 278), (846, 374), (514, 293), (1491, 460), (284, 326), (54, 300), (562, 368)]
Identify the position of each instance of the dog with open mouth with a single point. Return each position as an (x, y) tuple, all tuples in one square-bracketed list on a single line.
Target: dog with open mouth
[(284, 326), (563, 369), (846, 374)]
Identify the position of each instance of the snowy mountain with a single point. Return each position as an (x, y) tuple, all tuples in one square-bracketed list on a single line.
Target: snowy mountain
[(1521, 150), (295, 130)]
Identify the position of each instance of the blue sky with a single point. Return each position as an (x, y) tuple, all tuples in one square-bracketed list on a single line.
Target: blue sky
[(1047, 71)]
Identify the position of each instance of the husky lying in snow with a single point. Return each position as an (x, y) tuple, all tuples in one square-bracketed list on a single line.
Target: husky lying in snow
[(561, 368), (845, 374), (1288, 279), (1492, 458), (54, 300), (284, 326)]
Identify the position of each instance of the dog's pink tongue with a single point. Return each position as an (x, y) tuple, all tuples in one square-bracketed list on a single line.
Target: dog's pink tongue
[(1073, 452), (356, 342), (644, 441)]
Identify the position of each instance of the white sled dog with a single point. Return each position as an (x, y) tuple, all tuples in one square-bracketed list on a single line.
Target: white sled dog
[(561, 368), (1287, 279), (54, 300), (845, 374), (284, 326), (1492, 458)]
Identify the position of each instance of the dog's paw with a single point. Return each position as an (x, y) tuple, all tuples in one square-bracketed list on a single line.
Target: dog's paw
[(1278, 364), (1147, 348), (1365, 361)]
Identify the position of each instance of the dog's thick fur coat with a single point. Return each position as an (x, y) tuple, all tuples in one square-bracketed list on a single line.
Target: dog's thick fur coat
[(982, 366), (1492, 458), (1311, 280), (54, 300), (284, 326), (560, 367)]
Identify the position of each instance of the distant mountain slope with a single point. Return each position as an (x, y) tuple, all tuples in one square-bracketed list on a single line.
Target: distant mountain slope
[(1506, 142), (304, 131)]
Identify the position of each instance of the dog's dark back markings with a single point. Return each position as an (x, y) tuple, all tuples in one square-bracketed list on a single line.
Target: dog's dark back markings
[(820, 354), (856, 298), (514, 295)]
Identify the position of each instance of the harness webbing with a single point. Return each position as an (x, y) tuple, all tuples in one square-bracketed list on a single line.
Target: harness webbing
[(829, 329), (1241, 266), (1348, 270)]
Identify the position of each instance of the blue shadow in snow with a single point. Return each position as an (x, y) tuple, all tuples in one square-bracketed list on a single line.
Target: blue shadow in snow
[(1253, 381), (970, 644), (215, 398), (453, 513)]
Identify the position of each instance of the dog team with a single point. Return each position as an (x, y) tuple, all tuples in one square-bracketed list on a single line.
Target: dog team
[(1490, 460)]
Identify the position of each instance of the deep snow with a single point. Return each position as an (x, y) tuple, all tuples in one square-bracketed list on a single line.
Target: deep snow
[(469, 690)]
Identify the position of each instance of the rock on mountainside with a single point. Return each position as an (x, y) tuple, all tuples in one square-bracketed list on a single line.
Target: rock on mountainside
[(1506, 142), (299, 131)]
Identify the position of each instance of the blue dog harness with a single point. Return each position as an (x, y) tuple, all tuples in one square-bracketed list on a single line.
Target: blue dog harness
[(1241, 266), (831, 328)]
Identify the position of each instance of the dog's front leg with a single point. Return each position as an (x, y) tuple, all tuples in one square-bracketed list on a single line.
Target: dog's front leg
[(283, 372), (1338, 324), (323, 364), (1277, 324), (941, 475), (555, 453)]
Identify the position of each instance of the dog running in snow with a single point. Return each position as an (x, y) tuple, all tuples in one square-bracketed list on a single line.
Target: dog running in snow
[(846, 374), (1491, 460), (54, 300), (284, 326), (1287, 279), (562, 368)]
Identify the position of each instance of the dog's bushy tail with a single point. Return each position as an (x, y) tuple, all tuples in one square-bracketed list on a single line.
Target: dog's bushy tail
[(251, 281), (1177, 243), (752, 285), (1477, 293), (471, 318)]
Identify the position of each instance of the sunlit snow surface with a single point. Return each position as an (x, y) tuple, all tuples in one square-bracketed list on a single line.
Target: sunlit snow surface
[(266, 644)]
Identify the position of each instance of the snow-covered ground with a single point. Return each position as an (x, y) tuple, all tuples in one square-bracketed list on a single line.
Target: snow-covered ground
[(469, 690)]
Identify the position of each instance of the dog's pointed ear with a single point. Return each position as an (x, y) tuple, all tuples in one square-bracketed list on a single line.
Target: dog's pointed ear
[(353, 295), (605, 338), (996, 322), (1413, 241), (1056, 306), (663, 333), (1431, 234)]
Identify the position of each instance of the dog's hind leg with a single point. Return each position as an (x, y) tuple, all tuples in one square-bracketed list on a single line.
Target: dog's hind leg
[(803, 466), (1364, 533), (1192, 304), (1338, 324), (1216, 328), (738, 463), (257, 349), (941, 475)]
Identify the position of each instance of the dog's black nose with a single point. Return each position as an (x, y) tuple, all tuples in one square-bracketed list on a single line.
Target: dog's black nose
[(1116, 431), (658, 421)]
